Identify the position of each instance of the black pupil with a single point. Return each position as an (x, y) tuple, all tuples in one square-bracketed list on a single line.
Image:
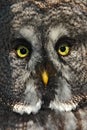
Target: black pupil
[(63, 48), (23, 51)]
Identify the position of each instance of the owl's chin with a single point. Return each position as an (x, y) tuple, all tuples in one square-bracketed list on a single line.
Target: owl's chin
[(28, 109)]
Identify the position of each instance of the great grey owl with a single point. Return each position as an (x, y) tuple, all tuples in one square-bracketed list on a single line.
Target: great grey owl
[(43, 64)]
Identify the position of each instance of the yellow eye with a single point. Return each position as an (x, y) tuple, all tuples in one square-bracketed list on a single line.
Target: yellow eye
[(22, 51), (64, 50)]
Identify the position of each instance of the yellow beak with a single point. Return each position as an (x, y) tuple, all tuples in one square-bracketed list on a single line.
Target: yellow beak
[(45, 77)]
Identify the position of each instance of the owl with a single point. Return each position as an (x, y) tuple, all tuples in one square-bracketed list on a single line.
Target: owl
[(43, 65)]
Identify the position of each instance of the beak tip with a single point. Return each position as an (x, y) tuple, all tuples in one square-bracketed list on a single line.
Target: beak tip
[(45, 77)]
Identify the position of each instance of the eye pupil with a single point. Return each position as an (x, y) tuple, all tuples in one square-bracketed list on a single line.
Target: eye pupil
[(63, 48), (23, 51)]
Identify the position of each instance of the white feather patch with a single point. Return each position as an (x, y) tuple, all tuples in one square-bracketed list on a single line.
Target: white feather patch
[(21, 108), (57, 32), (62, 106), (31, 102)]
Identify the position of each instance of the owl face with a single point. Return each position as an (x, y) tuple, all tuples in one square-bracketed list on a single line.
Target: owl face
[(43, 60)]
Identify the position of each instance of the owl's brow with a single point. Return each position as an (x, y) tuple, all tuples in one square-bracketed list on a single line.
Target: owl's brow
[(82, 37)]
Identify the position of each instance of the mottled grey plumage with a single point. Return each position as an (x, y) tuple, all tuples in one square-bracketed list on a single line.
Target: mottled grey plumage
[(27, 100)]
